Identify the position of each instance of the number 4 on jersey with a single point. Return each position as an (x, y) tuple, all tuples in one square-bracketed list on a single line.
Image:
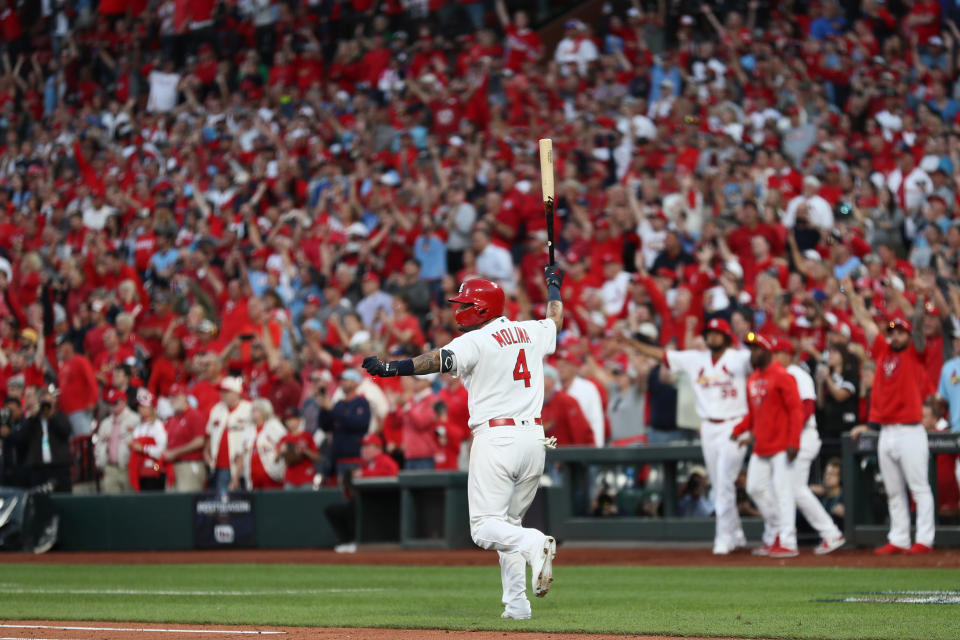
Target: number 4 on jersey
[(521, 371)]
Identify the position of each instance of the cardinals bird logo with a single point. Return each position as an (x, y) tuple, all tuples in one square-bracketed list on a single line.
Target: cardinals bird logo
[(890, 365)]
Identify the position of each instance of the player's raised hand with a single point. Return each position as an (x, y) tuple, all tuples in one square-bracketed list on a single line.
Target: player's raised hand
[(377, 367), (553, 275)]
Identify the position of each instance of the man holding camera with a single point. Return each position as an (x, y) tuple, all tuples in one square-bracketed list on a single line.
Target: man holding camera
[(46, 435)]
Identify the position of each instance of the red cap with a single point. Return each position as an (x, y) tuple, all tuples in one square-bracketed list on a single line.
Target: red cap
[(720, 325), (372, 438), (602, 223), (177, 389), (609, 256), (262, 252), (571, 357), (666, 272), (784, 345), (756, 340), (370, 276), (115, 395), (313, 299), (931, 309), (900, 322)]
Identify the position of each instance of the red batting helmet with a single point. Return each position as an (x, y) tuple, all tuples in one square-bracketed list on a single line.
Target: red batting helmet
[(721, 326), (485, 298), (757, 340)]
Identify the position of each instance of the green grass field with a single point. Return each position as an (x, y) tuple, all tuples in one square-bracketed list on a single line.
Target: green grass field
[(743, 602)]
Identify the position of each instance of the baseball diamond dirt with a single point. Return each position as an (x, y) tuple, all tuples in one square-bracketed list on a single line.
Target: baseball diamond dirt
[(655, 557)]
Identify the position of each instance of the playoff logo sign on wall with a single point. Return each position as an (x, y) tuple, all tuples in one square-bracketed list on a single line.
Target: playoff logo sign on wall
[(223, 520)]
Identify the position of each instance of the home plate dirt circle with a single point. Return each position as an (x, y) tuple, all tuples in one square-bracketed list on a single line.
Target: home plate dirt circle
[(60, 630)]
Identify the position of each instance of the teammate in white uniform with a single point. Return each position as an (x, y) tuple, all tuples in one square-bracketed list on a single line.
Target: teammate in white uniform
[(719, 380), (809, 505), (501, 365)]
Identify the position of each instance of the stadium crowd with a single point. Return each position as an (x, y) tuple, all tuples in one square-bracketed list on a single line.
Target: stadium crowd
[(213, 210)]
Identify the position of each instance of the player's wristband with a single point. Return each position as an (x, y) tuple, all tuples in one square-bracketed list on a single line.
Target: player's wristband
[(402, 367), (553, 293)]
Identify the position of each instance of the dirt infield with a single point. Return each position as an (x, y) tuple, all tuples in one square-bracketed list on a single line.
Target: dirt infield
[(59, 630), (663, 557)]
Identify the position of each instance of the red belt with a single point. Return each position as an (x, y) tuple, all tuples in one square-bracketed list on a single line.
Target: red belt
[(510, 422)]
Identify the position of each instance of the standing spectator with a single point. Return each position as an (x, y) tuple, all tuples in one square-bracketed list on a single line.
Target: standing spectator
[(111, 443), (229, 430), (346, 421), (584, 392), (342, 517), (146, 467), (523, 44), (838, 383), (186, 434), (418, 422), (896, 404), (78, 388), (285, 390), (562, 417), (45, 437), (626, 397), (12, 472), (299, 452), (948, 390), (493, 261), (775, 418), (265, 468), (374, 302), (807, 503), (458, 217)]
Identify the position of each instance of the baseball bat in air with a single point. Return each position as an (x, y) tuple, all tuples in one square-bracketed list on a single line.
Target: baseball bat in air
[(546, 182)]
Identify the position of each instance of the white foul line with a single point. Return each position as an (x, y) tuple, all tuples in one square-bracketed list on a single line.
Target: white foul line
[(142, 630), (178, 592)]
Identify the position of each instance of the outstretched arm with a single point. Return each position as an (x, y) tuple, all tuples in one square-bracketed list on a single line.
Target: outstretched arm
[(436, 361), (554, 278)]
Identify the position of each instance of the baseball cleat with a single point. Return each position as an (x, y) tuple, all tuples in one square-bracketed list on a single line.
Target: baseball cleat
[(889, 549), (346, 547), (783, 552), (721, 550), (516, 615), (919, 549), (542, 567), (763, 551), (829, 546)]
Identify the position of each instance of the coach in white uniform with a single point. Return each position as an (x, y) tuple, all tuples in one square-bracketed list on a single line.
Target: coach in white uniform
[(501, 365), (809, 505), (719, 380)]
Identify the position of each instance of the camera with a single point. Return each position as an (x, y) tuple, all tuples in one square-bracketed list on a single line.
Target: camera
[(5, 416)]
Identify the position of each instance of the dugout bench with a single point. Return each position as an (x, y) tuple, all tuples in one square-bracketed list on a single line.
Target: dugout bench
[(866, 521), (418, 509)]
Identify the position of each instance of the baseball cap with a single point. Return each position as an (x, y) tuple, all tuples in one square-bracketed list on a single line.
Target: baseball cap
[(756, 340), (900, 323), (115, 395), (784, 345), (146, 399), (176, 389), (231, 383), (352, 375), (734, 268), (291, 412), (372, 438)]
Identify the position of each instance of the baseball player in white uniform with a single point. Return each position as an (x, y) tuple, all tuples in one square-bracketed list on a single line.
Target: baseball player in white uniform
[(501, 365), (719, 380), (807, 503)]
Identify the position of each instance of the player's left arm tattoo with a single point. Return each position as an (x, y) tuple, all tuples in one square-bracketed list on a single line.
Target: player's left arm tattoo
[(555, 313), (427, 363)]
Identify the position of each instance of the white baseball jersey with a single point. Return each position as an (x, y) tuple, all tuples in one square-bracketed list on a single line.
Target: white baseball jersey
[(719, 388), (807, 389), (501, 365)]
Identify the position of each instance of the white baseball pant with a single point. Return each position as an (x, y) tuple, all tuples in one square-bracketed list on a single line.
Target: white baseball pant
[(770, 486), (724, 460), (811, 507), (505, 468), (905, 462)]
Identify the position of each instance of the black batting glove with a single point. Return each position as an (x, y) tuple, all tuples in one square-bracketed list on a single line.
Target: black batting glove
[(554, 276), (377, 367)]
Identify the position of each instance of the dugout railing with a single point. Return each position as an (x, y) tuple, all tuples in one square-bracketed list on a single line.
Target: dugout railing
[(865, 507)]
